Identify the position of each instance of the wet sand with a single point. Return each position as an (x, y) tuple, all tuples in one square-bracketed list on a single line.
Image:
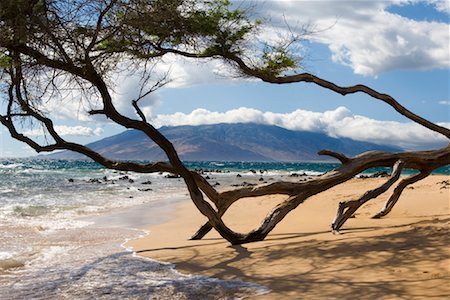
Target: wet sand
[(405, 255)]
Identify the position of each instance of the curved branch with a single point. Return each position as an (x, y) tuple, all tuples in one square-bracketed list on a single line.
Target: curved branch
[(299, 192), (307, 77), (348, 208), (393, 198), (341, 157)]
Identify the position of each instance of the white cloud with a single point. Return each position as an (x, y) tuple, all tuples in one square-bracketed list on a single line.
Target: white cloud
[(441, 5), (64, 130), (367, 37), (444, 102), (337, 123)]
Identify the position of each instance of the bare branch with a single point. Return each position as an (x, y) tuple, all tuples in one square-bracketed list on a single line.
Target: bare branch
[(393, 198), (99, 26), (348, 208), (341, 157)]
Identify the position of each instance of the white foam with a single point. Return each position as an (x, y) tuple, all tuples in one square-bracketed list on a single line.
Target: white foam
[(6, 255), (11, 166)]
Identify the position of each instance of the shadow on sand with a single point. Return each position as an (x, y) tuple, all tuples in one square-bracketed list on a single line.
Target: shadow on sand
[(404, 264)]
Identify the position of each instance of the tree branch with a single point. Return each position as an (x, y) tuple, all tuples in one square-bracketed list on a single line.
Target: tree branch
[(341, 157), (348, 208), (393, 198)]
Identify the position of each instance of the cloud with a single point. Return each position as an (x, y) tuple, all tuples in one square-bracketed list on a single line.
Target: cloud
[(64, 130), (444, 102), (340, 123), (365, 36), (441, 5)]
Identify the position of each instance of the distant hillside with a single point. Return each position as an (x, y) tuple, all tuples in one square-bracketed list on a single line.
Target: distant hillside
[(226, 142)]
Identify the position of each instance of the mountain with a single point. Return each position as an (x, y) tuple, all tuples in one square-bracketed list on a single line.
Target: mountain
[(226, 142)]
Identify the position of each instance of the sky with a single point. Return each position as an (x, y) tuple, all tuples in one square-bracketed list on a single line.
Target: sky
[(398, 47)]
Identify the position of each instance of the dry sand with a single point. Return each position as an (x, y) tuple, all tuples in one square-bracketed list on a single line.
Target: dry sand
[(406, 255)]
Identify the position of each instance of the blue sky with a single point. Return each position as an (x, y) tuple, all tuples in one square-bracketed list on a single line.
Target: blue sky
[(397, 47)]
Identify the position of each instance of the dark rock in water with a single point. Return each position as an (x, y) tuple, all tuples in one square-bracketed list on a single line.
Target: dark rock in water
[(94, 180), (147, 182), (238, 175), (130, 180), (207, 177), (216, 184), (124, 177), (380, 174), (261, 179), (244, 184), (145, 190), (171, 176), (297, 175), (253, 171), (105, 178), (70, 180), (376, 175)]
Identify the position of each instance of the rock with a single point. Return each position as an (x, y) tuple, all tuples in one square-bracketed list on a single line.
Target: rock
[(70, 180), (124, 177), (238, 175), (380, 174), (130, 180), (147, 182), (375, 175), (297, 175), (244, 184), (172, 176), (145, 190), (261, 179)]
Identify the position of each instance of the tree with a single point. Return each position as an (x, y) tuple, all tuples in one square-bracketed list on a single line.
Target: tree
[(47, 46)]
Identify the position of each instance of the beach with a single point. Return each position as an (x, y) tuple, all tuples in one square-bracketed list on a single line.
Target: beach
[(405, 255), (71, 229)]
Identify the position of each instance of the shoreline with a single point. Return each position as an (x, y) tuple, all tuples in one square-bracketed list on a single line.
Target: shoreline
[(405, 254)]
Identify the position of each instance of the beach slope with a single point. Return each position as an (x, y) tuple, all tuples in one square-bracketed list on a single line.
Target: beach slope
[(405, 255)]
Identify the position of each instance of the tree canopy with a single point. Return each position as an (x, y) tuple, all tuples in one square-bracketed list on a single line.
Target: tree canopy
[(50, 46)]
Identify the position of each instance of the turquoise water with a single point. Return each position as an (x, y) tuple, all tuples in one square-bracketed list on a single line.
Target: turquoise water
[(62, 224), (80, 166)]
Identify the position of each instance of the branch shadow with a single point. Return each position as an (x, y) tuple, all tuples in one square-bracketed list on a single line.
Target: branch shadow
[(405, 264)]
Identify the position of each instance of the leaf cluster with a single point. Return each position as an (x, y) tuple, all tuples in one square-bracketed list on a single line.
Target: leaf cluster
[(207, 28)]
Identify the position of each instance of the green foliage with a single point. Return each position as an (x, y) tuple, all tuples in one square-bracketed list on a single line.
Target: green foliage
[(277, 60), (207, 27), (202, 28), (5, 61), (140, 29)]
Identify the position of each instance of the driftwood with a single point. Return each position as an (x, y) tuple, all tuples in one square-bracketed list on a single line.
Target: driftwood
[(84, 63)]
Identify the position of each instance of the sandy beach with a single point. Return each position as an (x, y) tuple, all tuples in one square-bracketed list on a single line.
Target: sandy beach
[(405, 255)]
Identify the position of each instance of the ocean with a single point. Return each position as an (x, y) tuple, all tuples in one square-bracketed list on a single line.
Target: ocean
[(64, 223)]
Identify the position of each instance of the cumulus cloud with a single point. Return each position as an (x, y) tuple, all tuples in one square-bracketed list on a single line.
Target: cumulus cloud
[(130, 82), (64, 130), (441, 5), (367, 37), (341, 123)]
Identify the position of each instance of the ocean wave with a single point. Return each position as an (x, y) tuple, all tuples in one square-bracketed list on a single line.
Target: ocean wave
[(124, 276)]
